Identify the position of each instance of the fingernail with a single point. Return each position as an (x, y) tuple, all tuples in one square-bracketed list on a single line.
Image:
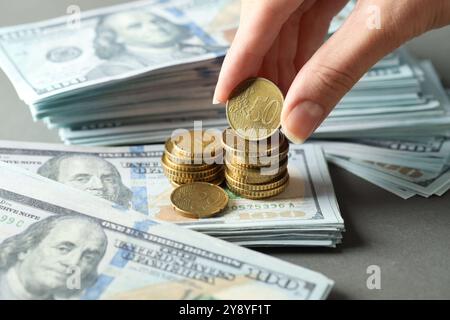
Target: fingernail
[(215, 101), (292, 138), (302, 121)]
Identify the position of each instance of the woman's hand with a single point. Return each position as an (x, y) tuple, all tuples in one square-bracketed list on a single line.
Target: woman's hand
[(282, 40)]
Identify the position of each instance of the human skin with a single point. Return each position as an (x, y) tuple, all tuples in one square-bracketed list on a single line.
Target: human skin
[(283, 40)]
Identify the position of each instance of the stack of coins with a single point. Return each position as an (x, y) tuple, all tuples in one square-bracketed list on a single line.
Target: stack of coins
[(193, 156), (256, 153), (256, 170)]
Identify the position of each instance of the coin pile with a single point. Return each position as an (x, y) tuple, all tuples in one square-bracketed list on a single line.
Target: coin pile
[(193, 156), (256, 152), (256, 174)]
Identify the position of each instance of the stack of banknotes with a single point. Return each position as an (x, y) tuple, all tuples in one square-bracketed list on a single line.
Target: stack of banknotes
[(125, 74), (103, 80), (57, 242), (393, 129), (305, 214)]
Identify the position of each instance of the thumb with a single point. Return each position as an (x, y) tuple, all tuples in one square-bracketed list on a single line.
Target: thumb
[(333, 71)]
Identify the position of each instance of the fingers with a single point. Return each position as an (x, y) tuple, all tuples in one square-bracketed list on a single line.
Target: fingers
[(261, 22), (269, 68), (331, 73), (313, 28), (288, 47)]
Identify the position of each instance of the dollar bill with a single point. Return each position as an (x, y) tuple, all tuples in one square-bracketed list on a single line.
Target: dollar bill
[(132, 177), (57, 242), (415, 180), (56, 58)]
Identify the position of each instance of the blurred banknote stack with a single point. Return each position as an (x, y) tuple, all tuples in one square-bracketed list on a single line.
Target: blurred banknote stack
[(392, 129), (127, 73), (124, 74)]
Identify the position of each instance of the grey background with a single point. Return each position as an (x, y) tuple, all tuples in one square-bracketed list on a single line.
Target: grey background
[(409, 240)]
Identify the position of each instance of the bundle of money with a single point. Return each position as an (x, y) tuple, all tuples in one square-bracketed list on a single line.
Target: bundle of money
[(398, 98), (403, 166), (193, 156), (123, 254), (305, 214), (126, 74), (394, 129)]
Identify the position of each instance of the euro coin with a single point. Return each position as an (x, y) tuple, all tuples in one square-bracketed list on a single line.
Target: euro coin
[(196, 144), (254, 179), (199, 200), (258, 186), (254, 109), (256, 195), (216, 181), (232, 143), (175, 157), (259, 171), (184, 167), (193, 178), (190, 174)]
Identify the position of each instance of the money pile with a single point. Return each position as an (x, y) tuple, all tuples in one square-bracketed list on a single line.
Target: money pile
[(108, 80), (405, 167), (127, 255), (193, 156), (400, 97), (256, 169), (305, 214), (394, 128), (255, 151)]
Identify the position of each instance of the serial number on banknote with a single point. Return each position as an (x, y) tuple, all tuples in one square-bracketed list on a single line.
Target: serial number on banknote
[(253, 206)]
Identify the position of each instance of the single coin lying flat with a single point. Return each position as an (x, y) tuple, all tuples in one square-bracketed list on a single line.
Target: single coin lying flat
[(199, 200)]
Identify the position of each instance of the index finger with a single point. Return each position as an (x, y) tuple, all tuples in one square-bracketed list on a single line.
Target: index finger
[(260, 23)]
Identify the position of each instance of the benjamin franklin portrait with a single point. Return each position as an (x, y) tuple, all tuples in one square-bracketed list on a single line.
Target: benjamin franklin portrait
[(37, 263), (88, 173), (134, 39)]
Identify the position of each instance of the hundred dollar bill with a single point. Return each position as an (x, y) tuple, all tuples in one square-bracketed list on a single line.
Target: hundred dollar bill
[(132, 177), (372, 178), (430, 153), (57, 242), (417, 180), (59, 56)]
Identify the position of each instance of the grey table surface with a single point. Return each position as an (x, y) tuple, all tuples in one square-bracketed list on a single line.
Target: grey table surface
[(408, 240)]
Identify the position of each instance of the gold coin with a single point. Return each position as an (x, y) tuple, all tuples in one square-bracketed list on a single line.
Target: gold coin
[(252, 161), (185, 167), (238, 145), (198, 144), (195, 176), (254, 109), (216, 181), (211, 179), (254, 179), (256, 195), (258, 186), (174, 157), (199, 199), (258, 171)]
